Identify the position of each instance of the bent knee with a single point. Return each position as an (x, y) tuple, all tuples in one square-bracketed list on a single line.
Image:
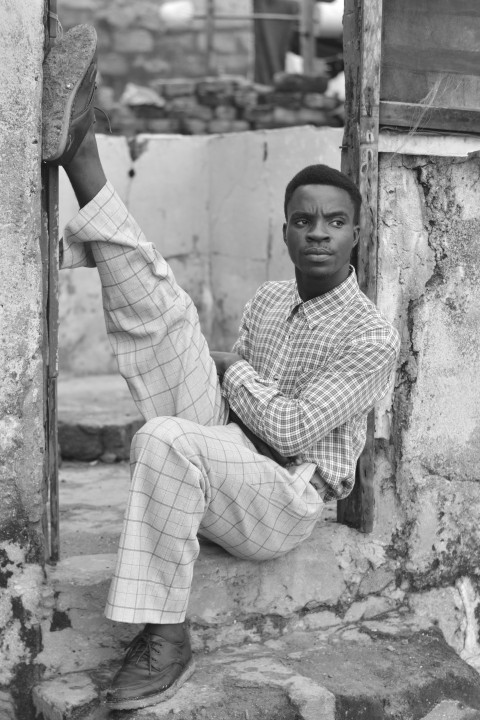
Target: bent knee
[(161, 431)]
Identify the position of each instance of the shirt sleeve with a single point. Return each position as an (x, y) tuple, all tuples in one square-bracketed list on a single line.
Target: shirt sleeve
[(242, 344), (350, 385)]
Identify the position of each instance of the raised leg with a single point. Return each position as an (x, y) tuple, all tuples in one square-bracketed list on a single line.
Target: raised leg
[(152, 323)]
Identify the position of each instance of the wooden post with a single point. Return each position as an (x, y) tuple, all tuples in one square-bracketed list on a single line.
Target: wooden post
[(362, 55), (210, 35), (307, 36), (50, 203)]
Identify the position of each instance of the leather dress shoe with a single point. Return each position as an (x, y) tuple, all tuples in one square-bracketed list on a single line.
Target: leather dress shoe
[(69, 74), (152, 671)]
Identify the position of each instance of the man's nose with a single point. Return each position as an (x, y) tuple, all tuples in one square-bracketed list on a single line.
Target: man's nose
[(318, 230)]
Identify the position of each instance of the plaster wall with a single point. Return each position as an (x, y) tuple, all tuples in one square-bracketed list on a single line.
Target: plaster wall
[(428, 440), (22, 440), (213, 206)]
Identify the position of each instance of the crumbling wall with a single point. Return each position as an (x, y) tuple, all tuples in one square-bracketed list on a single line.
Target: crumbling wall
[(429, 484), (22, 440)]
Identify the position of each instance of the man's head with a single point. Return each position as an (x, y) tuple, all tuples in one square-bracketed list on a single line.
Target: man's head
[(322, 208), (324, 175)]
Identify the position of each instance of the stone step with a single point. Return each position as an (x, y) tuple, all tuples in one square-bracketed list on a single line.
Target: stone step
[(97, 418), (334, 673), (93, 497), (279, 640)]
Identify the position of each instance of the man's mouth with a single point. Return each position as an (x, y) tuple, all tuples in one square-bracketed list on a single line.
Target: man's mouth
[(317, 251)]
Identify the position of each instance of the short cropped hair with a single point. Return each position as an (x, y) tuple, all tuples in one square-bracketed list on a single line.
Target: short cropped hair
[(323, 175)]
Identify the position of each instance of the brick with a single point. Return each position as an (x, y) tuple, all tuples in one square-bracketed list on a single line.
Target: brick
[(163, 125), (266, 124), (192, 126), (285, 116), (113, 64), (175, 87), (260, 113), (289, 82), (220, 86), (188, 107), (220, 126), (123, 121), (225, 112), (152, 65), (245, 97), (317, 101), (240, 126), (313, 117), (201, 112), (291, 100), (118, 16), (148, 112), (133, 41)]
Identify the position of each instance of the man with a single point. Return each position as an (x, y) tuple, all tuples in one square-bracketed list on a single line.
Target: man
[(312, 357)]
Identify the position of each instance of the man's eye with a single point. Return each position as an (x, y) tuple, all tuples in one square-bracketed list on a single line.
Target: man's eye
[(301, 222), (338, 223)]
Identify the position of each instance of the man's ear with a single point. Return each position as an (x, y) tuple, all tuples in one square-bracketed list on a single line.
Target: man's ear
[(356, 235), (284, 230)]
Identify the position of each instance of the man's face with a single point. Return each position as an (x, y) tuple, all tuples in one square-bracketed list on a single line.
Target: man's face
[(320, 234)]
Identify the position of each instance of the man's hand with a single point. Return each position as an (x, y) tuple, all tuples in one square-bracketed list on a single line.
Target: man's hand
[(223, 360)]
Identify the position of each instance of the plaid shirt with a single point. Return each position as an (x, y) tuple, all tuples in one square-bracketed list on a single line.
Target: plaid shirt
[(311, 372)]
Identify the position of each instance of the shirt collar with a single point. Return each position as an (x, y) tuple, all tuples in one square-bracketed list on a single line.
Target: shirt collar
[(324, 306)]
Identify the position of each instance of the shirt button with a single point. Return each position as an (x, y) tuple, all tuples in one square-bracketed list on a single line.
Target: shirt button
[(275, 377)]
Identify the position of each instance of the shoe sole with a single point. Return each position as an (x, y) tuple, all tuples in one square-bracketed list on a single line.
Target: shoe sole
[(137, 703), (64, 70)]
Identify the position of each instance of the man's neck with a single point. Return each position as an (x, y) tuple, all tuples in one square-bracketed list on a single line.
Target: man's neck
[(309, 288)]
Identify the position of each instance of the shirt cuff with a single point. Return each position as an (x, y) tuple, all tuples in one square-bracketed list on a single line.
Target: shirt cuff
[(240, 374)]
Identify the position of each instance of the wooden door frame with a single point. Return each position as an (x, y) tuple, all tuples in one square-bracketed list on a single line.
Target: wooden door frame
[(362, 57)]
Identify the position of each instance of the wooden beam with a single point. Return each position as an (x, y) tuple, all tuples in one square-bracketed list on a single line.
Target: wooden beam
[(50, 211), (362, 43), (413, 115), (210, 36), (307, 36)]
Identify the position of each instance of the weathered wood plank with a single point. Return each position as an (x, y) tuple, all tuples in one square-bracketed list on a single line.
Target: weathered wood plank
[(363, 46), (50, 193), (431, 45), (427, 60), (412, 115), (307, 35)]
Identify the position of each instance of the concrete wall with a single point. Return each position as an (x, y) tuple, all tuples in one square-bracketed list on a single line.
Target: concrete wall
[(22, 440), (214, 207), (428, 441)]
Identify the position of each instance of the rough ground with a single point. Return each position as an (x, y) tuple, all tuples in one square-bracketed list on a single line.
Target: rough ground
[(264, 649)]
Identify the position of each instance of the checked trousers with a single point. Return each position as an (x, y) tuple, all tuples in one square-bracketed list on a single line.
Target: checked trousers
[(193, 473)]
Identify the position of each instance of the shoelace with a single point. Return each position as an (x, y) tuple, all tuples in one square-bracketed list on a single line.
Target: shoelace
[(108, 119), (141, 646)]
